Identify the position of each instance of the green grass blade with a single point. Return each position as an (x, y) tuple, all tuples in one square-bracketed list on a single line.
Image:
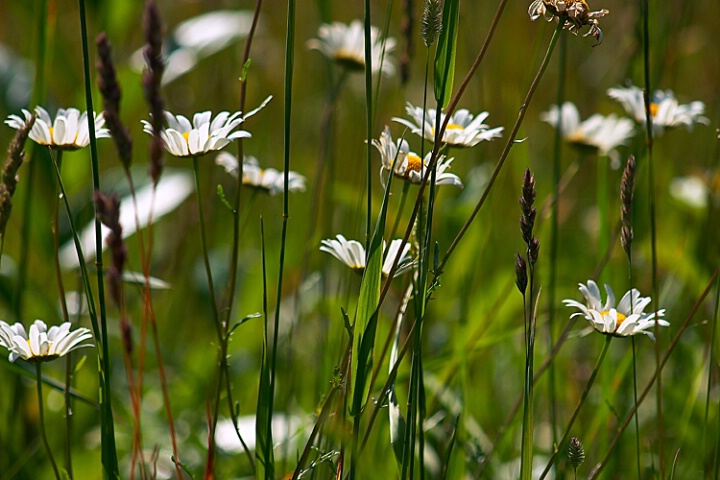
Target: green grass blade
[(367, 310), (263, 423), (445, 54), (109, 452)]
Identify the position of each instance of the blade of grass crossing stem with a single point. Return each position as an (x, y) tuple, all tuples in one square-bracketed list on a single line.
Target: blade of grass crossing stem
[(367, 311), (267, 464), (445, 53), (366, 315), (263, 425), (713, 356), (369, 116), (109, 453)]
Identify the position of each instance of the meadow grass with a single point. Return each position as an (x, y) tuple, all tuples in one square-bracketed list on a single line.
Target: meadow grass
[(428, 337)]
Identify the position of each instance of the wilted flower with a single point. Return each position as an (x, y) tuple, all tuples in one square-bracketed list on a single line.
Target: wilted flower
[(352, 254), (625, 319), (664, 108), (345, 44), (69, 131), (184, 139), (268, 179), (604, 133), (398, 158), (463, 130), (41, 344), (575, 13)]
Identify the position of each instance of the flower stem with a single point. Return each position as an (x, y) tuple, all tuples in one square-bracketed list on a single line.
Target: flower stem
[(584, 396), (41, 411), (213, 300), (554, 235), (526, 450), (66, 318)]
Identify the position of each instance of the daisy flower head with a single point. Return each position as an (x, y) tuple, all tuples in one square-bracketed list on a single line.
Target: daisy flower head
[(605, 133), (69, 130), (664, 108), (205, 134), (622, 320), (352, 254), (40, 344), (463, 129), (574, 13), (345, 45), (268, 179), (397, 158)]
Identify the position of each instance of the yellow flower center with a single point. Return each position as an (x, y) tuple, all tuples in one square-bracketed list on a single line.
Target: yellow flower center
[(454, 126), (620, 317), (414, 163), (654, 107), (186, 136)]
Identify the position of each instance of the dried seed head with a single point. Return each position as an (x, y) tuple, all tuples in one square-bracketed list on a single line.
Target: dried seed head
[(431, 23), (627, 185), (521, 276), (110, 90), (107, 209), (151, 84), (406, 28), (126, 331), (533, 251), (527, 198), (9, 179), (576, 453)]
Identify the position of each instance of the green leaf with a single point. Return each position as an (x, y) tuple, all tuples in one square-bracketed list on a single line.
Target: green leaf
[(445, 53), (367, 312)]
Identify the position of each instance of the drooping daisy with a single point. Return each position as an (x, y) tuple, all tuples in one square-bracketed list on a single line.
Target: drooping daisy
[(575, 13), (625, 319), (266, 179), (398, 158), (40, 344), (352, 254), (664, 108), (598, 131), (205, 134), (69, 130), (463, 130), (345, 44)]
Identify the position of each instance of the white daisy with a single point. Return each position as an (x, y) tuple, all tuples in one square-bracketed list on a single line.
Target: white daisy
[(598, 131), (352, 254), (408, 165), (664, 108), (41, 344), (345, 44), (575, 13), (184, 139), (270, 180), (69, 131), (462, 130), (625, 319)]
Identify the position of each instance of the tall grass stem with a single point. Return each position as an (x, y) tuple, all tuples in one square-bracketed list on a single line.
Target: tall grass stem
[(41, 419), (109, 453)]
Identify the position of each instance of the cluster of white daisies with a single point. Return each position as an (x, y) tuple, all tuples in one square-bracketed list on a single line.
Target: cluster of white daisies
[(345, 45)]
